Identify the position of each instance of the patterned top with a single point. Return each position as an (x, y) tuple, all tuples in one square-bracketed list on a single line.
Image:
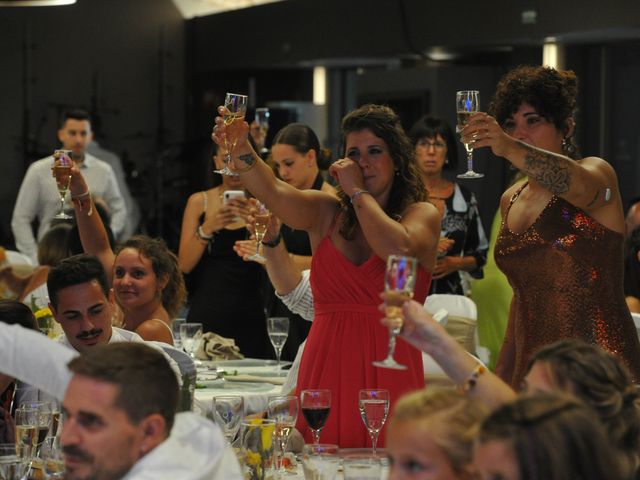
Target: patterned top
[(566, 275)]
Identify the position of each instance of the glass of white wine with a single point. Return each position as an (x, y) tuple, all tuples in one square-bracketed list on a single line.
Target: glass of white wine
[(400, 277), (374, 409), (261, 222), (62, 173), (235, 109), (284, 410), (467, 103)]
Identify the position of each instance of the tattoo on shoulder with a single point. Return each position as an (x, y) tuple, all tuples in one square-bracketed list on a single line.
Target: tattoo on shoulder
[(247, 158), (548, 170)]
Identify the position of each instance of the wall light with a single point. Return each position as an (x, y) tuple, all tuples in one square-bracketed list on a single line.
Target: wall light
[(319, 86), (553, 54)]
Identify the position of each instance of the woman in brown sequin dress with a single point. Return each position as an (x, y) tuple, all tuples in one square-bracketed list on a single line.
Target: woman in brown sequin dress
[(561, 239)]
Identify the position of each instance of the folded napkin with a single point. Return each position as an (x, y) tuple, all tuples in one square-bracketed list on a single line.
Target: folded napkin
[(215, 347)]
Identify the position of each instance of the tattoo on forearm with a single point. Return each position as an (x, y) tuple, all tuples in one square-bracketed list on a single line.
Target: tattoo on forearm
[(548, 170), (247, 158), (592, 202)]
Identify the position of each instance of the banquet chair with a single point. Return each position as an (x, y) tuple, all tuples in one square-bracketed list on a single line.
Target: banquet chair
[(461, 325), (185, 363)]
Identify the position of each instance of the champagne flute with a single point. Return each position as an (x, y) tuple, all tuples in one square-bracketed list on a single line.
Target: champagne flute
[(467, 103), (278, 330), (26, 431), (316, 405), (284, 410), (228, 412), (62, 173), (235, 109), (400, 277), (260, 224), (44, 420), (374, 408)]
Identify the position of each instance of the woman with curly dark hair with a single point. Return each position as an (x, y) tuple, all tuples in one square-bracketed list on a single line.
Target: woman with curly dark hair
[(381, 210), (561, 239)]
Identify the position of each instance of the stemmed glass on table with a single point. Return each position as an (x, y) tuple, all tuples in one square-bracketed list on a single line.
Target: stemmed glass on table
[(316, 405), (44, 420), (12, 465), (228, 412), (467, 103), (26, 423), (374, 408), (190, 336), (278, 330), (284, 410), (235, 109), (400, 277), (52, 458), (260, 224), (62, 173)]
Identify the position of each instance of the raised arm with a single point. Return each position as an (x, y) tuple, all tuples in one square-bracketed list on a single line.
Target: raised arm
[(590, 184), (92, 232), (309, 210), (423, 332)]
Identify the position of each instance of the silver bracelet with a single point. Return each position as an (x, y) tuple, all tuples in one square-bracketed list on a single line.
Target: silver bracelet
[(357, 193), (203, 236)]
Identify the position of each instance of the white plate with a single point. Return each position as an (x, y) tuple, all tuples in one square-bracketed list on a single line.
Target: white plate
[(248, 362), (222, 384)]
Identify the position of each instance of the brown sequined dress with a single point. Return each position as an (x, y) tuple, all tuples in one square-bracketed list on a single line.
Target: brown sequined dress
[(566, 275)]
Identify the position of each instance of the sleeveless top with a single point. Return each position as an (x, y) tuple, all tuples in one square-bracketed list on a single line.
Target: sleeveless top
[(566, 275), (227, 297)]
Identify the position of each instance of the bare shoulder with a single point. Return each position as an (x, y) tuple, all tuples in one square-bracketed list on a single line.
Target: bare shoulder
[(507, 195), (155, 329), (599, 166)]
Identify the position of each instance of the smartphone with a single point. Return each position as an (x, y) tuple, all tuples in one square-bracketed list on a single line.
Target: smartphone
[(232, 194)]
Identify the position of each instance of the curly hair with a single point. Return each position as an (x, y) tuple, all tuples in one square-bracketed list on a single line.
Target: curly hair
[(164, 262), (552, 93), (407, 186), (452, 417), (601, 381)]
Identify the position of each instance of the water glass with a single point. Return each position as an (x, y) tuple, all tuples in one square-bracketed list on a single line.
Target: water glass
[(320, 461), (361, 467), (228, 412), (12, 466), (175, 327), (278, 330), (52, 458), (374, 408)]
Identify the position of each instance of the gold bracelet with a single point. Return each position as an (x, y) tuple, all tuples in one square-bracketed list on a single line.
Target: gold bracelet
[(472, 379)]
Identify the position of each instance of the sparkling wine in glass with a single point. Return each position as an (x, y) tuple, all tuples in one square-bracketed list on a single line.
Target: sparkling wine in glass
[(228, 412), (316, 405), (62, 173), (26, 423), (284, 410), (374, 408), (235, 109), (467, 103), (278, 330), (400, 277), (261, 222)]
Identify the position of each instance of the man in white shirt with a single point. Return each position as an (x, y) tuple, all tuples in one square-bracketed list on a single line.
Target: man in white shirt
[(119, 402), (38, 196)]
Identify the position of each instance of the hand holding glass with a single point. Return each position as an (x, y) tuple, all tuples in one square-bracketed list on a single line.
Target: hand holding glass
[(400, 277), (261, 222), (62, 173), (235, 109), (467, 103)]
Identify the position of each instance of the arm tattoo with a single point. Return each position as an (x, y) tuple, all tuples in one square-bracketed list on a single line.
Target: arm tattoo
[(247, 158), (548, 170)]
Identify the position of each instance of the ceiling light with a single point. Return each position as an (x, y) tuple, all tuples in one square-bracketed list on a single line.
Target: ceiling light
[(35, 3), (199, 8)]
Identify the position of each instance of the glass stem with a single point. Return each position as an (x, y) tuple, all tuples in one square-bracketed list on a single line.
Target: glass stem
[(393, 332), (470, 161), (374, 440), (316, 436)]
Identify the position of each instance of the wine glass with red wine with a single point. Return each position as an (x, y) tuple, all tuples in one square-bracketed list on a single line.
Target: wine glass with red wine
[(316, 405)]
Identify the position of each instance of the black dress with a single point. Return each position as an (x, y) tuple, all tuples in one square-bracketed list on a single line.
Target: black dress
[(297, 243), (227, 297)]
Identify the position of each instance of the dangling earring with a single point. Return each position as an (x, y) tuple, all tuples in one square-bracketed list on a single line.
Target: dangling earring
[(567, 147), (446, 160)]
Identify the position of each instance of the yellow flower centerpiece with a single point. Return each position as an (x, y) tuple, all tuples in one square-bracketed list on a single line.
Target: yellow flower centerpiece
[(257, 448)]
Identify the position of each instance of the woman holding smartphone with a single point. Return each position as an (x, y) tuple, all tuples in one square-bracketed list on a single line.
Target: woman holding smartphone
[(225, 292)]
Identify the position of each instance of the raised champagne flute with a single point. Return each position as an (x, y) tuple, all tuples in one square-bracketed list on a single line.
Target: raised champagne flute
[(260, 223), (235, 109), (284, 410), (316, 405), (374, 408), (400, 277), (62, 173), (278, 330), (467, 103)]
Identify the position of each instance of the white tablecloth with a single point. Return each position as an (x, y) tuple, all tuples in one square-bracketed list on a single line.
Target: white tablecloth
[(255, 394)]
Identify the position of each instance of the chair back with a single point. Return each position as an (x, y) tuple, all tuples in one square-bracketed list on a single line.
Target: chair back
[(185, 363), (463, 317)]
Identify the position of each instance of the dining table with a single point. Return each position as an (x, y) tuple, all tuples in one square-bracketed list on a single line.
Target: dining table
[(253, 379)]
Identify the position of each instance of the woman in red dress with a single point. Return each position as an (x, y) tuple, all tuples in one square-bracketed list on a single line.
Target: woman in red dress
[(381, 210)]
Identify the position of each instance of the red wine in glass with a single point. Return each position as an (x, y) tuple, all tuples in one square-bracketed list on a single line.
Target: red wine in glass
[(316, 405)]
